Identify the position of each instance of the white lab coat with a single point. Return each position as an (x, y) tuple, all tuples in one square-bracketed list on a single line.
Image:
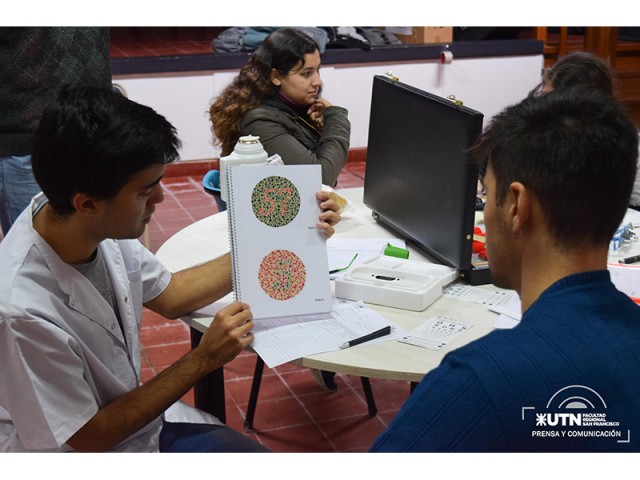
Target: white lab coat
[(62, 352)]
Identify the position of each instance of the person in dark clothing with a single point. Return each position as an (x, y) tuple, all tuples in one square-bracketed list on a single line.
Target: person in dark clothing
[(34, 64), (560, 170)]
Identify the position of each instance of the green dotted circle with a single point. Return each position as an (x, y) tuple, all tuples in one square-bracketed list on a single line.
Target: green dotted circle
[(275, 201)]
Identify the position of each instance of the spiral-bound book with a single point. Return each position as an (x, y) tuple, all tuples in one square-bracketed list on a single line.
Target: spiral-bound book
[(278, 255)]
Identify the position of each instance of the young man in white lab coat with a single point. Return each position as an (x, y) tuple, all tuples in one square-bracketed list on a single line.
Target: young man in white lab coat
[(74, 281)]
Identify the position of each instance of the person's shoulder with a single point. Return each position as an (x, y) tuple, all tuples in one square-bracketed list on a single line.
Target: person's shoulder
[(25, 274), (268, 113), (260, 111), (492, 351), (267, 109), (16, 245)]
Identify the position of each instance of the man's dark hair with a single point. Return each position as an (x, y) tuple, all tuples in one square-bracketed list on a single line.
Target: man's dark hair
[(583, 69), (576, 150), (93, 140), (578, 70)]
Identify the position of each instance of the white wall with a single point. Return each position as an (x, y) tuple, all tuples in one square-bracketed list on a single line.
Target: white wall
[(184, 100), (484, 84)]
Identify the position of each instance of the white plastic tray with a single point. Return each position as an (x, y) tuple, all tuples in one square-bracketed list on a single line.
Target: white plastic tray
[(395, 282)]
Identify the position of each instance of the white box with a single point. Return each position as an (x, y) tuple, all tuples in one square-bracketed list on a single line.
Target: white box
[(395, 282)]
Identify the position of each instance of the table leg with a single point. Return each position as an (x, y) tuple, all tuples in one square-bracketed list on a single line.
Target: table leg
[(208, 392), (368, 394), (253, 397)]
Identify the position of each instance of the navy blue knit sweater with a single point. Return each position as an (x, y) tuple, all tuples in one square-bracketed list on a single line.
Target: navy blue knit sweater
[(567, 378)]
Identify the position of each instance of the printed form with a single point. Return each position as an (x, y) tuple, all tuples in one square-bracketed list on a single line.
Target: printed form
[(281, 340)]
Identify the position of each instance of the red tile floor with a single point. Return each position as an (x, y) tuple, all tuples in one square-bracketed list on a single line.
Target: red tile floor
[(127, 42), (294, 413)]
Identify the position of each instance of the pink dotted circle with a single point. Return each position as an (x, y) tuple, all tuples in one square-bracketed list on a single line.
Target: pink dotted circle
[(282, 274)]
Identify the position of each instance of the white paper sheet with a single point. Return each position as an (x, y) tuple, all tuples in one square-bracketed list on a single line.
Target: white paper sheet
[(510, 313), (626, 278), (278, 255), (282, 340), (342, 250), (478, 295), (435, 333)]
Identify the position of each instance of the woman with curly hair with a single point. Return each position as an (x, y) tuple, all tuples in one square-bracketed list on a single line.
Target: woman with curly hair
[(276, 96)]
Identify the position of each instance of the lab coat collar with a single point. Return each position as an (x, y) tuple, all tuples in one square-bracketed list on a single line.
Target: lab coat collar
[(82, 294)]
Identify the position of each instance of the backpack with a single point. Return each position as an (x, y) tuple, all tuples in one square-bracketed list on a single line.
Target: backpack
[(345, 37), (247, 39), (377, 36), (229, 40)]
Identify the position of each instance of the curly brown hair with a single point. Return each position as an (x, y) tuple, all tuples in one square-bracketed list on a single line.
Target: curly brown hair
[(282, 50)]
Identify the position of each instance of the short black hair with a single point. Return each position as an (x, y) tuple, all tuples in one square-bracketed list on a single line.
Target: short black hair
[(583, 69), (578, 70), (576, 149), (93, 140)]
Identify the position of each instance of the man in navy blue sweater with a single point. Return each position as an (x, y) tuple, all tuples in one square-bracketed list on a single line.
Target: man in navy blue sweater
[(559, 173)]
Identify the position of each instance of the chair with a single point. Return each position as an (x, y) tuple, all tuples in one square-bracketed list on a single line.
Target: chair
[(255, 389), (603, 41)]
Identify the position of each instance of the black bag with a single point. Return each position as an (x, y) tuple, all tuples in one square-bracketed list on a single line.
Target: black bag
[(345, 37), (377, 36)]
